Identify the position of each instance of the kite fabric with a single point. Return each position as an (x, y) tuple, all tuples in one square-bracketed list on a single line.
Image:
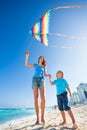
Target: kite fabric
[(40, 30)]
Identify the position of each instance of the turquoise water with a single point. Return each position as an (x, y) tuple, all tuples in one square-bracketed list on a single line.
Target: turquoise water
[(7, 114), (13, 113)]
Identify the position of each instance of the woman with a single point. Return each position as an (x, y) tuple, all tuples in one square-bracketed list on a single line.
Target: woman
[(38, 85)]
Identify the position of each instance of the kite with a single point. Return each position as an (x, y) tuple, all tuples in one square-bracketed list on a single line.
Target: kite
[(40, 30)]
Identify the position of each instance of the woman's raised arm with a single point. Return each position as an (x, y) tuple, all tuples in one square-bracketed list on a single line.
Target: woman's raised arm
[(26, 60)]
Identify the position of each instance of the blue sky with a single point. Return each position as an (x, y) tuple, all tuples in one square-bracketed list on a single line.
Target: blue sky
[(16, 19)]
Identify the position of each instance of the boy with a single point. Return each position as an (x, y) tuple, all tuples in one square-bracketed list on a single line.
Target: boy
[(62, 99)]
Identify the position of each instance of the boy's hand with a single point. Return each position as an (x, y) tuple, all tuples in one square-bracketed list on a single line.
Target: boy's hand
[(71, 96), (49, 76)]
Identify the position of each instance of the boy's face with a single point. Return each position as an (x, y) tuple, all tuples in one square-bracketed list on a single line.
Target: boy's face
[(59, 75)]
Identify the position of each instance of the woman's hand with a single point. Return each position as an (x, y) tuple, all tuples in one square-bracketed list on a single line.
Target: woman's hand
[(27, 54), (51, 83)]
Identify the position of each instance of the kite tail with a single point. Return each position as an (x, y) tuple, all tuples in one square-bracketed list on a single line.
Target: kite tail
[(68, 7), (67, 36), (65, 47)]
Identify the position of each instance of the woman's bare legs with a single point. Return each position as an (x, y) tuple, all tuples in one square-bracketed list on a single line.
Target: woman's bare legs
[(35, 91), (42, 95)]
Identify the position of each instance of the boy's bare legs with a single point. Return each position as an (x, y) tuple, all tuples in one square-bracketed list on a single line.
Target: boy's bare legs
[(72, 118), (63, 117)]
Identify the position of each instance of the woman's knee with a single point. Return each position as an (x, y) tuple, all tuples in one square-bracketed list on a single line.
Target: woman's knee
[(42, 97), (35, 91), (35, 98)]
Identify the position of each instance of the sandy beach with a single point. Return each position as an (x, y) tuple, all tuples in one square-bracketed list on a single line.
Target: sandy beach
[(52, 120)]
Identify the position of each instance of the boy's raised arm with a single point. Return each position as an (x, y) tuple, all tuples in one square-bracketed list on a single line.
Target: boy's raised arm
[(51, 83)]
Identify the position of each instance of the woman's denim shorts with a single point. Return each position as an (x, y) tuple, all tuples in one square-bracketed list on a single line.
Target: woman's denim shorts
[(38, 82), (62, 101)]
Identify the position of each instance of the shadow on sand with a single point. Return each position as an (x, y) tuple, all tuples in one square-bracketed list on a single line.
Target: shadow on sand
[(40, 127)]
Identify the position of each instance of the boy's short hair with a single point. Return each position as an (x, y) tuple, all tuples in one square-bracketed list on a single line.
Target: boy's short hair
[(60, 72)]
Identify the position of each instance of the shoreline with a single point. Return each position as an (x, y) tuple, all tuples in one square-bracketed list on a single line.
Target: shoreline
[(22, 116), (52, 119), (13, 122)]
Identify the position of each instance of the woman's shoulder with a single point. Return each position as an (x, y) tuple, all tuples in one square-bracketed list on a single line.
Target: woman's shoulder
[(35, 65)]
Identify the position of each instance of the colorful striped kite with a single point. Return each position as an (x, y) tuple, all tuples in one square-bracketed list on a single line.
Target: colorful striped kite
[(40, 30)]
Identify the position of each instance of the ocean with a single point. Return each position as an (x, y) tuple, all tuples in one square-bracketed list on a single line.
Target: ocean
[(7, 114)]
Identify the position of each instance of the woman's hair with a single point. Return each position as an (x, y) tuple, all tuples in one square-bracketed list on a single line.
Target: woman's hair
[(60, 72), (44, 63)]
